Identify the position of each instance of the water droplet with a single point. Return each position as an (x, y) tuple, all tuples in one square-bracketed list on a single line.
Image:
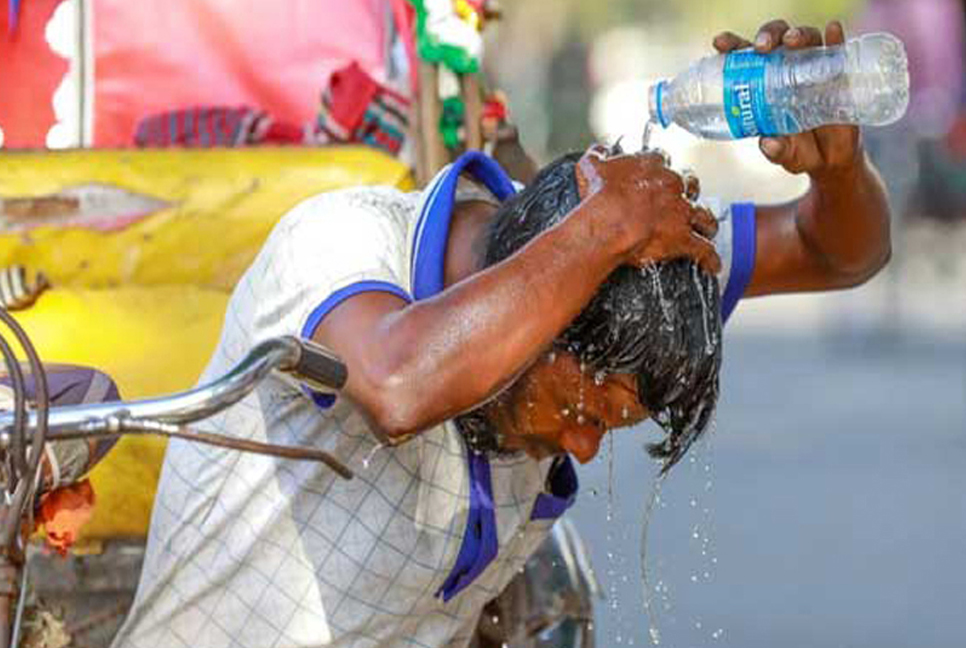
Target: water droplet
[(646, 137), (625, 413), (551, 357), (565, 412), (599, 378), (580, 419), (694, 578), (372, 453), (655, 635), (717, 633), (652, 272)]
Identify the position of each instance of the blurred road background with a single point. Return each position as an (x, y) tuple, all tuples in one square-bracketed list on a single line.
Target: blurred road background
[(828, 508), (828, 504)]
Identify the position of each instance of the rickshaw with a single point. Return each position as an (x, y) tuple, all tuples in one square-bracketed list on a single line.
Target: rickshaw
[(139, 249)]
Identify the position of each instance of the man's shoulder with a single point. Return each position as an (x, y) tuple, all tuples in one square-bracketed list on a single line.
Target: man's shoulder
[(380, 202)]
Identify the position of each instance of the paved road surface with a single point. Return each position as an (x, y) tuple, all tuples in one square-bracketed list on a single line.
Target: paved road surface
[(836, 515)]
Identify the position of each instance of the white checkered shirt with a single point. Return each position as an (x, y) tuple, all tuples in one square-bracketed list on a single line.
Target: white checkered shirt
[(259, 552)]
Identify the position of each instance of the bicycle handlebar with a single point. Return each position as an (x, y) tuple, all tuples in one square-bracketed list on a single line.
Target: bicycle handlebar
[(304, 359)]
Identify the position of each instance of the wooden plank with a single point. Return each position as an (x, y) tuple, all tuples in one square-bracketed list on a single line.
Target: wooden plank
[(473, 100)]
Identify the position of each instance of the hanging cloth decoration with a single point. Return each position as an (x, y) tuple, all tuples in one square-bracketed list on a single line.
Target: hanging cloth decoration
[(448, 33), (358, 109)]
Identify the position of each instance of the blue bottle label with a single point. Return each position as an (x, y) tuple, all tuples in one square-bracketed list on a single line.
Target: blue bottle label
[(746, 106)]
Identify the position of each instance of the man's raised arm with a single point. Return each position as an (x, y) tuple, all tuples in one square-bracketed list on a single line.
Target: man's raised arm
[(412, 366), (837, 234)]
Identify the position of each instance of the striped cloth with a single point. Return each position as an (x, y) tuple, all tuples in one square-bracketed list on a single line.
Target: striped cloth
[(17, 291), (214, 126), (358, 109)]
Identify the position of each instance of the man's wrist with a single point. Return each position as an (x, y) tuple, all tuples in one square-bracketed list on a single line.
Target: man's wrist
[(844, 174)]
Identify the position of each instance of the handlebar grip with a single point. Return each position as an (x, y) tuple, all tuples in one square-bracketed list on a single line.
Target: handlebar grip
[(319, 367)]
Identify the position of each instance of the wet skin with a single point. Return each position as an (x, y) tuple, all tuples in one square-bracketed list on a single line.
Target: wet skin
[(412, 366), (555, 407)]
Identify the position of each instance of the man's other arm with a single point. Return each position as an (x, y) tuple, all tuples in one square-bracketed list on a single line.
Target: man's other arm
[(837, 234)]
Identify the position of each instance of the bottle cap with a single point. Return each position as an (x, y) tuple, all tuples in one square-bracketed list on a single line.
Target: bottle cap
[(654, 100)]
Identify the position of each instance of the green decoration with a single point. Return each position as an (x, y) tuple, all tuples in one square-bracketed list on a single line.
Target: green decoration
[(432, 50), (451, 120)]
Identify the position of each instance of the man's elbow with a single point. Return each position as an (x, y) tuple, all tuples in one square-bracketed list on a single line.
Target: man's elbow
[(394, 408), (855, 275)]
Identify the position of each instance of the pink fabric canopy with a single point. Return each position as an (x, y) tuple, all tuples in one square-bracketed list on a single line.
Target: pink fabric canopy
[(155, 55), (151, 56)]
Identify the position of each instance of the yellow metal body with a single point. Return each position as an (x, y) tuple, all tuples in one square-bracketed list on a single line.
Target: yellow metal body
[(222, 204), (145, 303)]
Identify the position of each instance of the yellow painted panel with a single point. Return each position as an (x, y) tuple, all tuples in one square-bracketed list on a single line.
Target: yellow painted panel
[(152, 341), (212, 208)]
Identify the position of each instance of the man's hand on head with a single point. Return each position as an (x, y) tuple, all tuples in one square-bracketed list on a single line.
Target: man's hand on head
[(826, 151), (655, 206)]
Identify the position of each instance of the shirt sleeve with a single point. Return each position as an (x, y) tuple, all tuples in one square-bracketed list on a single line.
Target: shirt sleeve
[(735, 243), (324, 251)]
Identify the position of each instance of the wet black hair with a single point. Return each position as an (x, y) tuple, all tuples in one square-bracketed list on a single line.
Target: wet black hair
[(661, 323)]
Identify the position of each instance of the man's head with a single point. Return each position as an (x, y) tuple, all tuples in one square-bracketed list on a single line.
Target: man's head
[(648, 343)]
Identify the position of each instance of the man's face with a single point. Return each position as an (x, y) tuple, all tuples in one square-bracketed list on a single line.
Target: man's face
[(555, 407)]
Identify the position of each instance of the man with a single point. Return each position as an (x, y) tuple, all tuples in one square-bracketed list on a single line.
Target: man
[(469, 344)]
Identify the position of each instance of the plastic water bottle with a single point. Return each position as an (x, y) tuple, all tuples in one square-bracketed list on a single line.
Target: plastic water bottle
[(746, 94)]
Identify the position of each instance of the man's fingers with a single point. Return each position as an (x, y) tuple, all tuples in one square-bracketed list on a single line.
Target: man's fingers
[(834, 33), (796, 154), (702, 250), (672, 182), (704, 223), (773, 148), (728, 41), (770, 35), (692, 186), (798, 37), (804, 154)]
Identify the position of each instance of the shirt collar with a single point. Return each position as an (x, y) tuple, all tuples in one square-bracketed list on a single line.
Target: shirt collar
[(430, 231)]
